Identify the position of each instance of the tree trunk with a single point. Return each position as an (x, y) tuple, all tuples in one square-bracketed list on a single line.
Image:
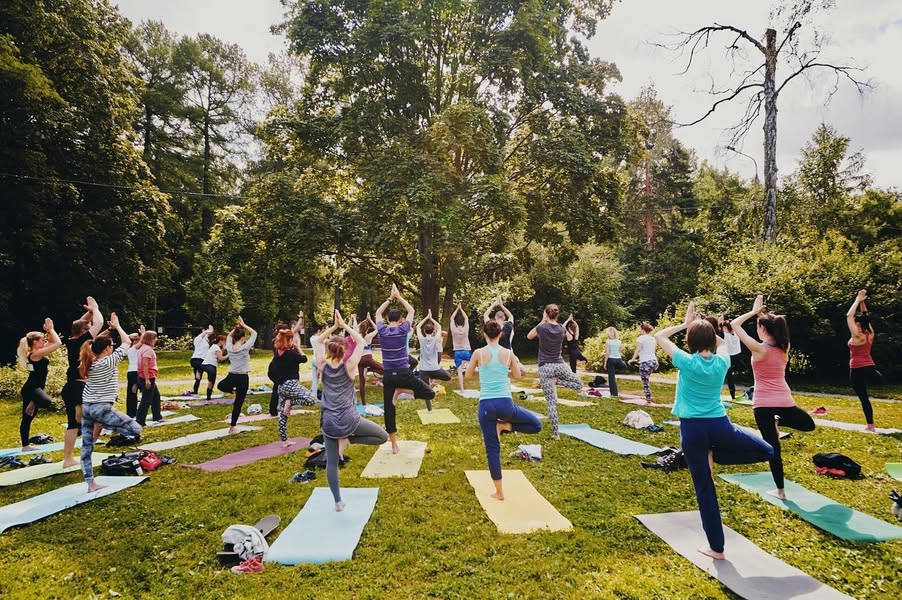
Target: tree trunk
[(447, 309), (770, 138), (206, 215), (429, 284)]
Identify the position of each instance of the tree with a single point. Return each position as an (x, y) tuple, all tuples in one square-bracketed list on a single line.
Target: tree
[(758, 85)]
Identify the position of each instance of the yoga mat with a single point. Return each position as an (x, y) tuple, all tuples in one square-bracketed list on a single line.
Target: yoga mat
[(517, 389), (523, 510), (25, 474), (404, 464), (175, 421), (205, 402), (474, 394), (539, 416), (361, 409), (757, 434), (894, 470), (183, 398), (641, 402), (437, 416), (54, 447), (607, 441), (58, 500), (853, 427), (566, 402), (251, 455), (842, 521), (319, 534), (265, 415), (748, 571), (187, 440)]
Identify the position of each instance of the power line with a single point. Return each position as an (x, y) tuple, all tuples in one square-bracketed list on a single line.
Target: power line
[(57, 180)]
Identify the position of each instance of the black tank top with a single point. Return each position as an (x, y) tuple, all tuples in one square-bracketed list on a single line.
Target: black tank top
[(37, 373)]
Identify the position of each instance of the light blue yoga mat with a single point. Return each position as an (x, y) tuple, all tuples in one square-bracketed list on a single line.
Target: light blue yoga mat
[(820, 511), (58, 500), (607, 441), (361, 409), (319, 534), (54, 447)]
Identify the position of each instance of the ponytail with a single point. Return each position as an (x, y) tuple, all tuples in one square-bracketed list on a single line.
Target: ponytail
[(25, 345), (777, 327), (85, 359)]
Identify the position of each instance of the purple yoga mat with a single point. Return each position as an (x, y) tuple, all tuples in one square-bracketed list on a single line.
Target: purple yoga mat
[(250, 455)]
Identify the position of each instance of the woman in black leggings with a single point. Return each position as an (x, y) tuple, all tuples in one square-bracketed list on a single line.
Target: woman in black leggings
[(861, 366), (32, 353)]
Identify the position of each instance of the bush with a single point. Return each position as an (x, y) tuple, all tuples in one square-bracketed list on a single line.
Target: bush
[(12, 378), (180, 343), (593, 347)]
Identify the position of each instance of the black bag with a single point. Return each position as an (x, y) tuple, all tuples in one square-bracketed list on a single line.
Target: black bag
[(124, 464), (669, 459), (41, 439), (121, 440), (599, 381), (841, 462), (317, 459)]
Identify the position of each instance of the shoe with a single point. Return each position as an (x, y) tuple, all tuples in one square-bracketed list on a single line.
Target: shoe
[(819, 411), (39, 460), (304, 477), (251, 565), (14, 463), (41, 439)]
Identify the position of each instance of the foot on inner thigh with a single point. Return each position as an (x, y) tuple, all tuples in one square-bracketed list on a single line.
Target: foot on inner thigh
[(707, 551), (94, 486), (778, 493), (29, 410)]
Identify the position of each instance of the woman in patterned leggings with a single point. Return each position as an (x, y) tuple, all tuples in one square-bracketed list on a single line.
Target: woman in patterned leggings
[(645, 355)]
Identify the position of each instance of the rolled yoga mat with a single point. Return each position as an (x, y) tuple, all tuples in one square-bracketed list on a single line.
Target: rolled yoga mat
[(58, 500), (607, 441), (822, 512), (405, 463), (26, 474), (193, 438), (319, 534), (437, 416), (251, 455), (748, 571), (853, 427), (54, 447), (523, 509), (894, 470)]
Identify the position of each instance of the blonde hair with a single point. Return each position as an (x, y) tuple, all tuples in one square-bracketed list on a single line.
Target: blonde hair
[(612, 332), (25, 344)]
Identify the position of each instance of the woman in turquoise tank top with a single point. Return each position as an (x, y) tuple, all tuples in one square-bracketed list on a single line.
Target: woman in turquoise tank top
[(497, 412)]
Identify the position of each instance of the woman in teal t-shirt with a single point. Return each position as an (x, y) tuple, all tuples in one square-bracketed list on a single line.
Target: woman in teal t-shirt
[(706, 434)]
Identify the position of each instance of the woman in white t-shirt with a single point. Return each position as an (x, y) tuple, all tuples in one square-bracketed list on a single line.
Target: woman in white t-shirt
[(735, 349), (612, 359), (645, 354), (131, 382)]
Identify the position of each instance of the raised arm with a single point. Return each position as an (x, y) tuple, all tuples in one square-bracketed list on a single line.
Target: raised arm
[(757, 348), (487, 316), (52, 344), (321, 342), (381, 310), (507, 313), (96, 317), (663, 336), (850, 315), (124, 342), (354, 359), (407, 306), (253, 337)]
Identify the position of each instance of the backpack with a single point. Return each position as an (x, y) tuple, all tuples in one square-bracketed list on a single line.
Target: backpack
[(836, 464), (149, 460), (121, 440), (124, 464), (599, 381)]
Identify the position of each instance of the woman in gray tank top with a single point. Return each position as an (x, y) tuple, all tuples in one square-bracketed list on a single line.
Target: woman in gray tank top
[(341, 423)]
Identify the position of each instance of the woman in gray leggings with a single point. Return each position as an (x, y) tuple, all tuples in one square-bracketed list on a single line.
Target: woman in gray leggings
[(341, 423)]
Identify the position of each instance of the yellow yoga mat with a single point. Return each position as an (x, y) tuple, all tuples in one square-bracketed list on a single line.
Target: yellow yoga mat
[(404, 464), (523, 509), (26, 474), (437, 416), (566, 402)]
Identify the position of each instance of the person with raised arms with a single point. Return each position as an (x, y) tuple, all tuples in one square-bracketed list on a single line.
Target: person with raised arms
[(613, 361), (98, 367), (367, 330), (735, 349), (131, 374), (429, 335), (285, 373), (33, 352), (571, 331), (772, 402), (505, 318), (238, 378), (395, 362), (215, 355), (645, 356), (201, 346), (553, 371), (862, 368), (341, 423), (706, 434), (497, 412), (460, 338)]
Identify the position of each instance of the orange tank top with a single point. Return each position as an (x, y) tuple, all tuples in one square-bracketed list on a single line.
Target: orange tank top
[(771, 389), (860, 356)]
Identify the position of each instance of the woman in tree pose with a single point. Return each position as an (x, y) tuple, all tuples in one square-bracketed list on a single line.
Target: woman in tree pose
[(98, 367), (131, 375), (87, 327), (773, 403), (497, 412), (861, 366), (32, 353), (238, 378), (201, 346), (571, 330), (284, 370), (296, 328), (735, 349), (645, 354), (505, 318), (367, 331), (429, 334), (612, 359), (460, 338), (147, 379), (215, 355), (341, 423), (706, 434), (553, 371)]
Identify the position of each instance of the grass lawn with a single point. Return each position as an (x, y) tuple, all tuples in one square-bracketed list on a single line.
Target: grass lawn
[(428, 536)]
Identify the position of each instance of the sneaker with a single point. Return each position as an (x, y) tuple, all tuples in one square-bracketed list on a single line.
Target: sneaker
[(14, 463), (819, 411), (39, 460), (304, 477), (251, 565)]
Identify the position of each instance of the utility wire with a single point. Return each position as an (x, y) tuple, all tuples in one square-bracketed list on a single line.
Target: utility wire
[(56, 180)]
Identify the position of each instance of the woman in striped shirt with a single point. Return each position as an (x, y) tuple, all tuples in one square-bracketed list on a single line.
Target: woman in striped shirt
[(98, 366)]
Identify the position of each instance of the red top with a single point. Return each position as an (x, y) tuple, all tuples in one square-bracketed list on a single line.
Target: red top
[(771, 389), (860, 356), (147, 352)]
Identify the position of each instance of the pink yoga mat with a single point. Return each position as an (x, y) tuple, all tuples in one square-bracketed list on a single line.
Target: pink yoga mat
[(250, 455)]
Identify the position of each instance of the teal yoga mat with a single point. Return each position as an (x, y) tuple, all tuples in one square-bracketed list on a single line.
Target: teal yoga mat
[(318, 534), (54, 447), (58, 500), (842, 521), (607, 441), (894, 470)]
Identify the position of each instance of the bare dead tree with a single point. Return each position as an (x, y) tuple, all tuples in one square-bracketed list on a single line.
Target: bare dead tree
[(758, 86)]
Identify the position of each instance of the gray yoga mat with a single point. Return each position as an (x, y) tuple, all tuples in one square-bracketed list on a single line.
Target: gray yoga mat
[(748, 570), (854, 427), (606, 441)]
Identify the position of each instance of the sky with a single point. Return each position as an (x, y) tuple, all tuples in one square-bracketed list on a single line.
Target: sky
[(865, 33)]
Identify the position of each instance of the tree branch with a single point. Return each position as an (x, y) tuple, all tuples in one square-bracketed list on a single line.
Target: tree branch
[(735, 93), (844, 70)]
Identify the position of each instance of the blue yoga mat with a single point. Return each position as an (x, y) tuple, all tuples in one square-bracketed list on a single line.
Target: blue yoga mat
[(319, 534), (820, 511), (607, 441), (54, 447), (40, 507), (361, 409)]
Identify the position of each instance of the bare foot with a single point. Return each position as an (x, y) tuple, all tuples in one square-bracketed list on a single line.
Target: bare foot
[(502, 426), (28, 448), (287, 444), (339, 506), (778, 493), (871, 427), (29, 410), (556, 436), (707, 551), (233, 429), (70, 463), (94, 486), (497, 496), (394, 448)]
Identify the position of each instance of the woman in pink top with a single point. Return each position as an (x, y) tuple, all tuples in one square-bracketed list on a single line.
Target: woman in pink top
[(773, 403), (147, 378), (861, 366)]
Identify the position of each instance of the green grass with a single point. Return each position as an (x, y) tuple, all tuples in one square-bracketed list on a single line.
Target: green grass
[(428, 536)]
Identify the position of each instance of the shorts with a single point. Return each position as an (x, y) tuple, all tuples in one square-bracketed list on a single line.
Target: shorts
[(462, 356), (71, 394)]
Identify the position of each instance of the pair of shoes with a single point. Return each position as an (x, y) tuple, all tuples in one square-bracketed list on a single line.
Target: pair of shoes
[(820, 410), (12, 462), (251, 565), (41, 439), (304, 477), (39, 460)]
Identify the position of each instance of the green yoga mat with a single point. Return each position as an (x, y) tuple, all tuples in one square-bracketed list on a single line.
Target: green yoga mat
[(894, 470), (820, 511)]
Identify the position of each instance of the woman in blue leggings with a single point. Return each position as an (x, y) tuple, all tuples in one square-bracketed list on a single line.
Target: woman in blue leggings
[(706, 434), (497, 412)]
